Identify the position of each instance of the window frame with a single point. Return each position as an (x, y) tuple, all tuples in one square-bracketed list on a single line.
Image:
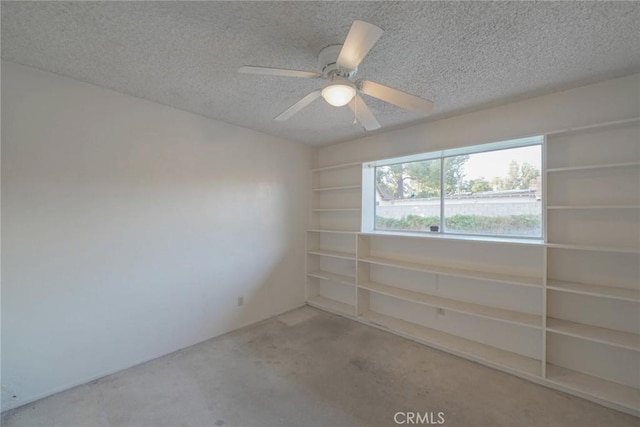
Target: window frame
[(369, 205)]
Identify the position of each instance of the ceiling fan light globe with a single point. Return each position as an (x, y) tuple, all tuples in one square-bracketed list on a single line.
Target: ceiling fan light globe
[(338, 94)]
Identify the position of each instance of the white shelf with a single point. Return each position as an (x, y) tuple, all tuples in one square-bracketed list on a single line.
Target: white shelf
[(491, 356), (594, 333), (344, 187), (340, 278), (456, 237), (343, 165), (332, 305), (509, 316), (332, 254), (318, 230), (624, 396), (337, 210), (596, 126), (590, 167), (447, 271), (610, 207), (594, 248), (595, 290)]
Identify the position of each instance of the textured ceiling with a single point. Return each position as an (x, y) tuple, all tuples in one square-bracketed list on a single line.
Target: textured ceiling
[(462, 55)]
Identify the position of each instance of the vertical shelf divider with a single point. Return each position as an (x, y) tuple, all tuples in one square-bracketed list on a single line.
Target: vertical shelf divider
[(543, 355)]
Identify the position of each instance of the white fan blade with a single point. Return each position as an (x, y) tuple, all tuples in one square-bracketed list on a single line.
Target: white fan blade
[(396, 97), (363, 114), (361, 38), (299, 105), (250, 69)]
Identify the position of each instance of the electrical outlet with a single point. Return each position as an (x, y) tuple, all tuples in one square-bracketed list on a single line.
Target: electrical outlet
[(240, 301)]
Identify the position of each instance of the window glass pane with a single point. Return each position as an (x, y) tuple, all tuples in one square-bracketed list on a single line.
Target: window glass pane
[(494, 193), (408, 196)]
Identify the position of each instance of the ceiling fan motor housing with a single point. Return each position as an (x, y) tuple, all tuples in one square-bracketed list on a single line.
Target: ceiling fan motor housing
[(327, 63)]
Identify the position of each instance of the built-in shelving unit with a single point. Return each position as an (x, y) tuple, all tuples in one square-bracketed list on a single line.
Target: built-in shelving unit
[(564, 312), (331, 239), (613, 292), (594, 248), (446, 293), (318, 230), (339, 278), (456, 272), (610, 207), (593, 166), (335, 198), (451, 343), (518, 318), (593, 279), (332, 254), (594, 333), (340, 166), (339, 188), (332, 305), (606, 392), (337, 210)]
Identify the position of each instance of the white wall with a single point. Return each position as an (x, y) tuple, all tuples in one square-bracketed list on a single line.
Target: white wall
[(130, 229), (612, 100)]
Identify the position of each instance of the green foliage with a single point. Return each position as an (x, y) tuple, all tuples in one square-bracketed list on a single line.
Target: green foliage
[(519, 177), (479, 185), (409, 222), (512, 224), (454, 173), (425, 178), (421, 179)]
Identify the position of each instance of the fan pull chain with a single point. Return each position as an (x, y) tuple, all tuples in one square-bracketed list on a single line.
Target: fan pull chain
[(355, 115)]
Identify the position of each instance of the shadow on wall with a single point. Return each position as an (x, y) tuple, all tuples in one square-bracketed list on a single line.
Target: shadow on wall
[(130, 229), (103, 281)]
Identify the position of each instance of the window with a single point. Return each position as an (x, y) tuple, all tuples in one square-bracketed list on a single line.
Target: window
[(491, 189), (408, 196)]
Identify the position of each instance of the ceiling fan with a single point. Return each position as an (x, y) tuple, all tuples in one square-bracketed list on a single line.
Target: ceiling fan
[(339, 65)]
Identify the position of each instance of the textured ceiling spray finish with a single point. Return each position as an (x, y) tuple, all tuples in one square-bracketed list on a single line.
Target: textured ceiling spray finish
[(462, 55)]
